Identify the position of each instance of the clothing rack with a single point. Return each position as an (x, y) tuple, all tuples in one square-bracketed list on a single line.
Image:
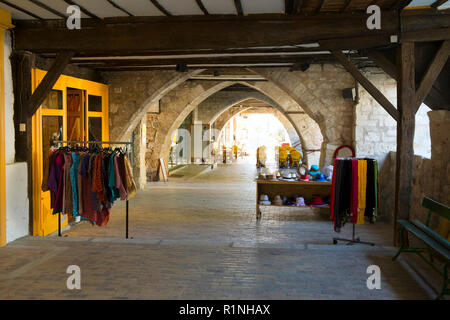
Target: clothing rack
[(97, 142), (353, 240)]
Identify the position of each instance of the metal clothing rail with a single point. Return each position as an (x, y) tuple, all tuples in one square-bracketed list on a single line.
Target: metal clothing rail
[(354, 240), (96, 142)]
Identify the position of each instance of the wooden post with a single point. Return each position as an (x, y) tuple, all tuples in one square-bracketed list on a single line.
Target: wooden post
[(405, 134), (22, 63)]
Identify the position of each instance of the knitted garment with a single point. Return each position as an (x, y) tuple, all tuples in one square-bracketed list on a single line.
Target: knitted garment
[(354, 192), (362, 184), (131, 186), (74, 181)]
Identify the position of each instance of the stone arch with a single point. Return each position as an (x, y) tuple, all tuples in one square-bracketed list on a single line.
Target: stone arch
[(329, 110), (212, 108), (294, 136), (179, 102), (132, 93), (308, 130)]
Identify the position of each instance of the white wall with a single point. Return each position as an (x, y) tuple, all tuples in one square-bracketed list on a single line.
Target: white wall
[(17, 204), (375, 132)]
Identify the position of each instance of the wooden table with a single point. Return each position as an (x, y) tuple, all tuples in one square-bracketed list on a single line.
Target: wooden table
[(305, 189)]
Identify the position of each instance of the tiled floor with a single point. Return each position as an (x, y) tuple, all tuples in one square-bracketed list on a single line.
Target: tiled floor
[(196, 237)]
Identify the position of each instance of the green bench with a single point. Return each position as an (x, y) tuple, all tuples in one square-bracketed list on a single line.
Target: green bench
[(435, 243)]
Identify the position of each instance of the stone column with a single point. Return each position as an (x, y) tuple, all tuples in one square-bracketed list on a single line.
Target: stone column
[(440, 162), (140, 149)]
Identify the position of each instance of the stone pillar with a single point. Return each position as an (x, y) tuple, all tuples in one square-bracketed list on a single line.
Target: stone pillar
[(140, 149), (197, 141), (206, 143), (440, 161)]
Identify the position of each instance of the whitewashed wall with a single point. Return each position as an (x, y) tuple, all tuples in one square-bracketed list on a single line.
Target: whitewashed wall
[(17, 203)]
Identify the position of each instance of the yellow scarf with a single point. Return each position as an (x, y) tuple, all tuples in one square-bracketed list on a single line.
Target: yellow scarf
[(362, 183)]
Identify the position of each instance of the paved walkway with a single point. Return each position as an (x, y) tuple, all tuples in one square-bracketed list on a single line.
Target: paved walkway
[(196, 237)]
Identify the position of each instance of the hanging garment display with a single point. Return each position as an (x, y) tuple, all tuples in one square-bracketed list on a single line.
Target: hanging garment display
[(354, 191), (85, 182)]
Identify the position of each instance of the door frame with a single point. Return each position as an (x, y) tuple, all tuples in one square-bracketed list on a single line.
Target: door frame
[(41, 226), (5, 23)]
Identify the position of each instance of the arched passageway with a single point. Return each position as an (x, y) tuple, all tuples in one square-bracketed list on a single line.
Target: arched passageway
[(210, 99)]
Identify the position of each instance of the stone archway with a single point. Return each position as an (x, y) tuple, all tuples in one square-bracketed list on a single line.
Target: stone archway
[(319, 91), (132, 93), (309, 133), (177, 104), (294, 137)]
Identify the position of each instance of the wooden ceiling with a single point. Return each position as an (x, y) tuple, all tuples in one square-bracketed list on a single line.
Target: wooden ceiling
[(98, 9)]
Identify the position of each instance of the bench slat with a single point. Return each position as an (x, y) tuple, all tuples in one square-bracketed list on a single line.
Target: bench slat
[(436, 207), (439, 248), (433, 234)]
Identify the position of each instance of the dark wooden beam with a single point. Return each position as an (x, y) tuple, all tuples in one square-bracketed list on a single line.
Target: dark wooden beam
[(405, 135), (292, 7), (355, 43), (115, 5), (131, 54), (12, 5), (49, 81), (202, 60), (202, 7), (238, 5), (384, 59), (438, 3), (297, 7), (371, 89), (190, 67), (50, 9), (139, 34), (346, 5), (160, 7), (322, 2), (21, 66), (427, 35), (432, 73), (400, 4), (82, 9)]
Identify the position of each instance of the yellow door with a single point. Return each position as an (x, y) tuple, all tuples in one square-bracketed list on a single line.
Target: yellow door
[(64, 116)]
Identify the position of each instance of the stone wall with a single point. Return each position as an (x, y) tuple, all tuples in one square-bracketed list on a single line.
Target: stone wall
[(375, 131), (431, 176)]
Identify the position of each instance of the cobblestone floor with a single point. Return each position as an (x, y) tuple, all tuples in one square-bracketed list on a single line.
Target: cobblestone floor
[(197, 238)]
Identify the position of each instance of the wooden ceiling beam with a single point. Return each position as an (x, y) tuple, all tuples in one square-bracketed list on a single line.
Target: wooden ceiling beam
[(371, 89), (115, 5), (48, 82), (292, 7), (149, 54), (322, 2), (160, 7), (202, 60), (400, 5), (434, 99), (49, 9), (137, 34), (82, 9), (202, 7), (206, 67), (432, 73), (12, 5), (438, 3), (346, 5), (238, 5)]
